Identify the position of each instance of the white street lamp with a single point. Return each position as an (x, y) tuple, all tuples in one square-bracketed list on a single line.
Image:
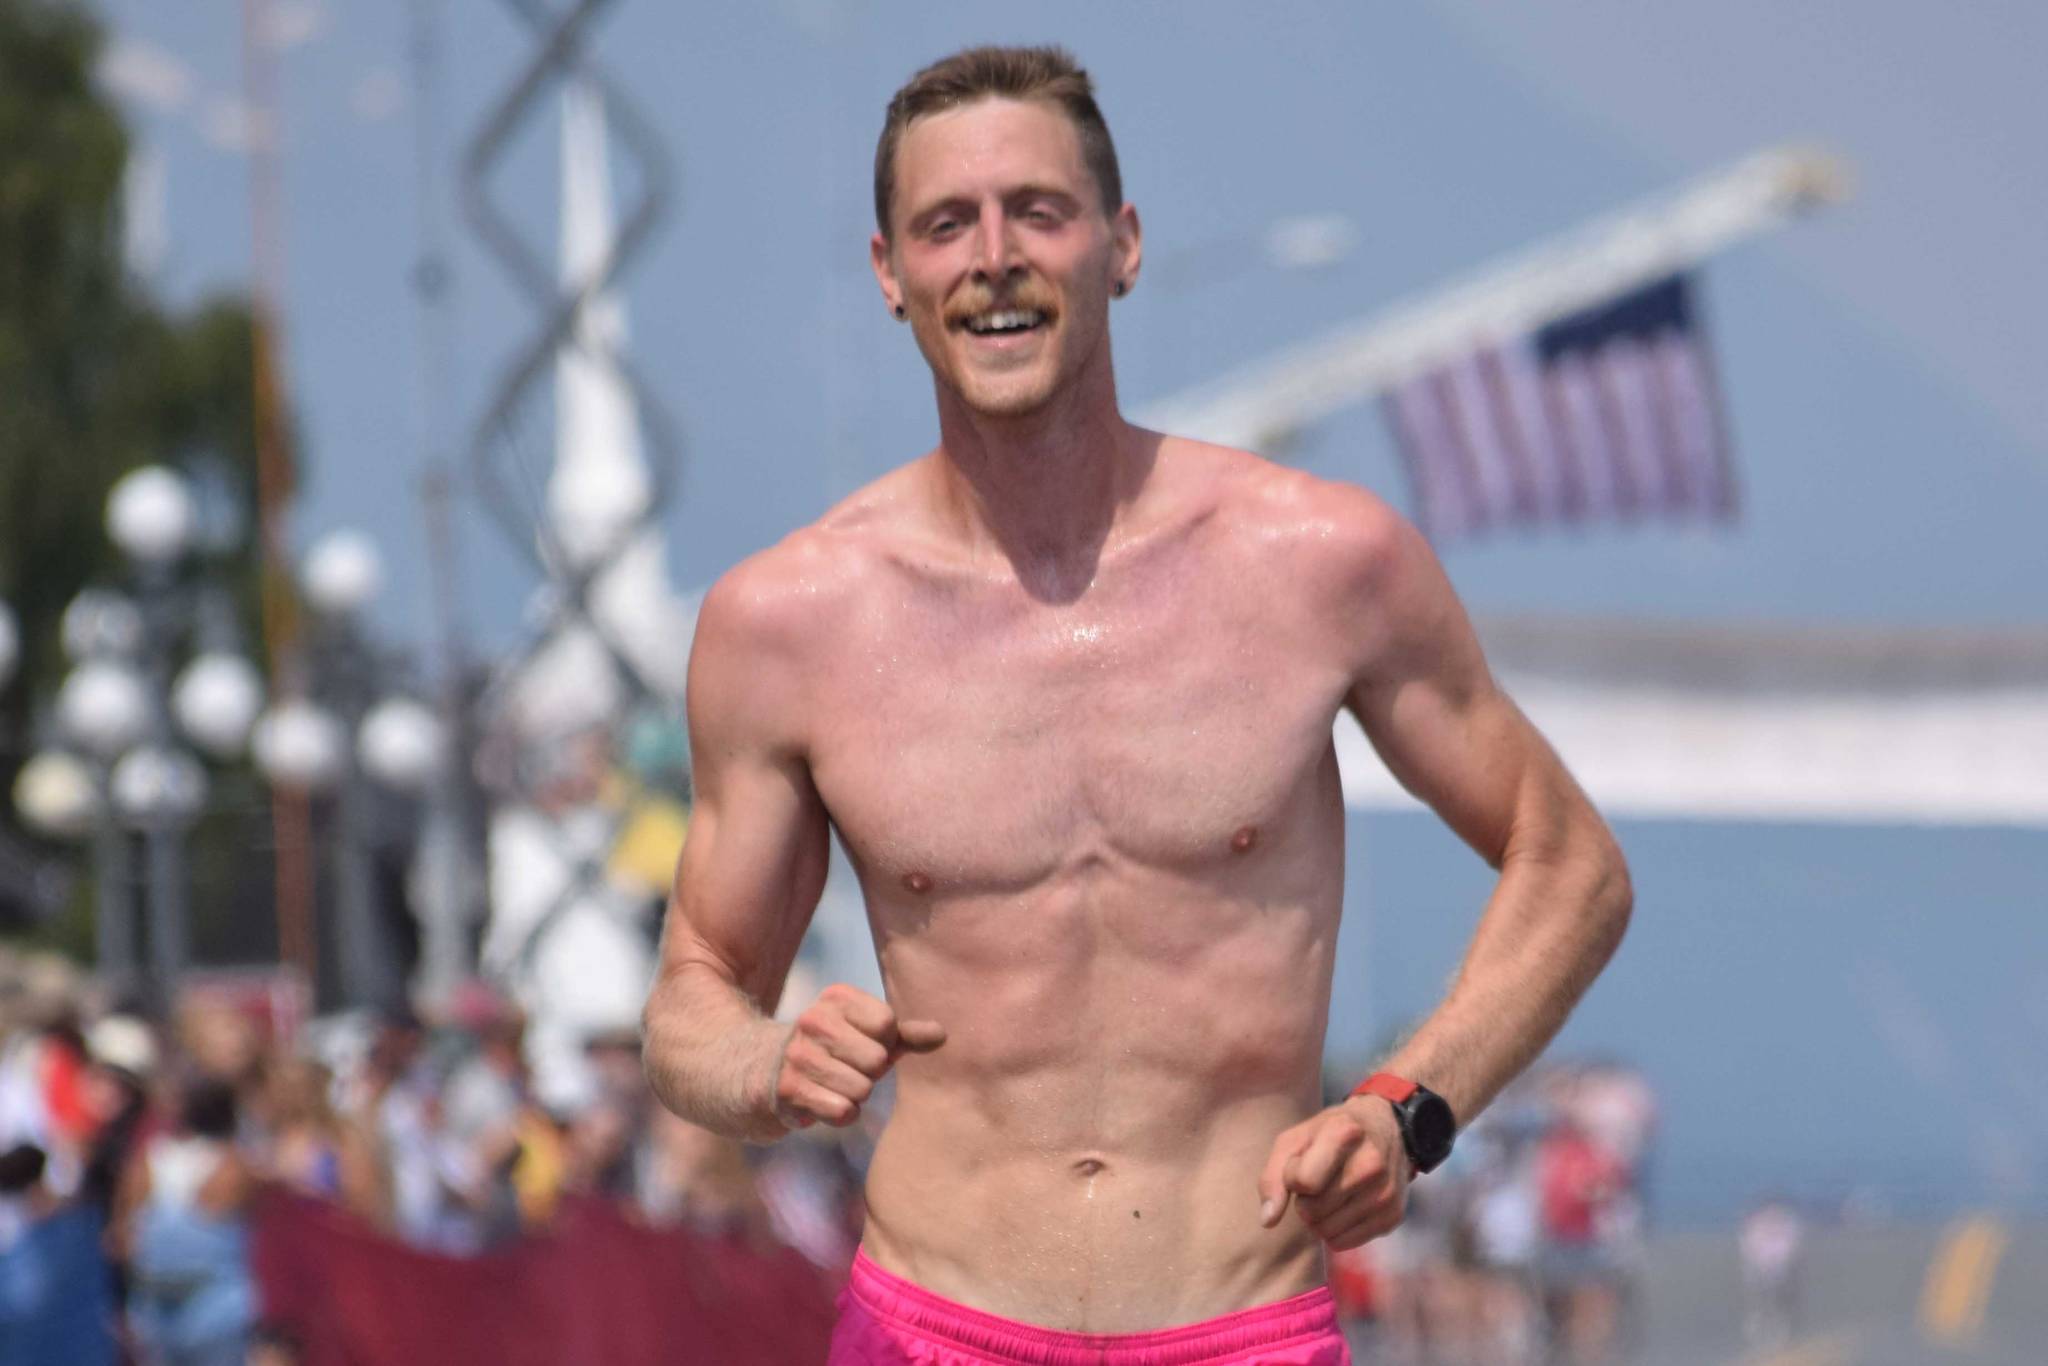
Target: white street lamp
[(60, 794), (158, 785), (160, 790), (299, 745), (100, 622), (150, 514), (400, 743), (103, 706), (342, 572), (10, 644), (55, 793), (216, 700)]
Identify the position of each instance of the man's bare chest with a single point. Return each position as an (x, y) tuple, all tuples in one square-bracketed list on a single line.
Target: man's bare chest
[(981, 752)]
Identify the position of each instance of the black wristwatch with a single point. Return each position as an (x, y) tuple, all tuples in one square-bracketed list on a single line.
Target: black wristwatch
[(1427, 1125)]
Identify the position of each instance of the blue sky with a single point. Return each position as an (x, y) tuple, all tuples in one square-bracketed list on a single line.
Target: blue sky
[(1881, 364)]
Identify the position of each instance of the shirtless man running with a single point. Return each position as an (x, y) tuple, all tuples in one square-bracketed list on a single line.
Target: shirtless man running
[(1065, 689)]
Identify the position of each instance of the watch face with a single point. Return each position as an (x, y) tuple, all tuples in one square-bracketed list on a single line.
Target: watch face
[(1431, 1127)]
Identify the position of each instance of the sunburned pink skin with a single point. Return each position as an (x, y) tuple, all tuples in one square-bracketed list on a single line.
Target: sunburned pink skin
[(1064, 688)]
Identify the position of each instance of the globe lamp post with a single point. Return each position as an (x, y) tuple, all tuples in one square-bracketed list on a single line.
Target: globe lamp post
[(340, 576), (57, 794), (216, 701), (102, 710), (160, 790), (403, 745), (153, 783)]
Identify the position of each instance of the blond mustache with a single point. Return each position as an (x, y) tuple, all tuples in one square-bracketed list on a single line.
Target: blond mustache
[(988, 300)]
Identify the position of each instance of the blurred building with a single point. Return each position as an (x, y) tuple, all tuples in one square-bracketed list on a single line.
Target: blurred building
[(1775, 723)]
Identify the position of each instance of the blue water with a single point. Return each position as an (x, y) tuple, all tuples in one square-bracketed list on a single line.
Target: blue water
[(1839, 1013)]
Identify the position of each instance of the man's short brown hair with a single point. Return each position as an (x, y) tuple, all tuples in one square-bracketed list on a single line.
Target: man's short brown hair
[(1015, 73)]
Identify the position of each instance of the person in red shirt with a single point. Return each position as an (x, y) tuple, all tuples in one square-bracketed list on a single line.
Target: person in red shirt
[(1578, 1182)]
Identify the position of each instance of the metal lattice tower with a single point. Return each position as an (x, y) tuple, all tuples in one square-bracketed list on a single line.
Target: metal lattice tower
[(501, 444)]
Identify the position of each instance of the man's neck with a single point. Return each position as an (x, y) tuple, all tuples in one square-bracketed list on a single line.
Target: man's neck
[(1046, 491)]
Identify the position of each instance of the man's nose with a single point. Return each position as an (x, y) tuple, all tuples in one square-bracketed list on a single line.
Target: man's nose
[(995, 250)]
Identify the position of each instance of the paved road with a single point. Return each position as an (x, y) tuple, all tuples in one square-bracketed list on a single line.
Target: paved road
[(1974, 1290)]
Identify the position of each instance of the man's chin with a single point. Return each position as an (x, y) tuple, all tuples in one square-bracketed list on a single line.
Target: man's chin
[(1006, 397), (1009, 403)]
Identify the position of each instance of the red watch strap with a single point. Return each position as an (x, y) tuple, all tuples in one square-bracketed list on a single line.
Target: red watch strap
[(1387, 1086)]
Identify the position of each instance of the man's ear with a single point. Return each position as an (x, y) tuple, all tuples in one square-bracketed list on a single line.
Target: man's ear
[(885, 273), (1127, 237)]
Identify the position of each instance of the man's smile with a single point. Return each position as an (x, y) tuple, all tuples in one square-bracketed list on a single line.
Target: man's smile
[(1005, 322)]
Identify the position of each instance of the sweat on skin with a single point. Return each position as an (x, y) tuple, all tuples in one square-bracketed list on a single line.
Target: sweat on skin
[(1065, 689)]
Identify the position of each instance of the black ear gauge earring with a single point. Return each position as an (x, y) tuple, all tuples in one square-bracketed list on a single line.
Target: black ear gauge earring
[(901, 312), (1118, 289)]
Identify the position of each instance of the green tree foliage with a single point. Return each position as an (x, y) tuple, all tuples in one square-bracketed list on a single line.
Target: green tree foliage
[(96, 377)]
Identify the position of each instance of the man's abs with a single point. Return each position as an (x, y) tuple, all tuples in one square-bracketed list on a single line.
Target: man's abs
[(1083, 1152), (1086, 1237)]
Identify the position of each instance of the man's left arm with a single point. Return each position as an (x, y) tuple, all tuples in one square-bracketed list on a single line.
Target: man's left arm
[(1428, 703)]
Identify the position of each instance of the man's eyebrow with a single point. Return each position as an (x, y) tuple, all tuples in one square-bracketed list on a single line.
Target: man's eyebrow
[(1063, 197), (950, 204)]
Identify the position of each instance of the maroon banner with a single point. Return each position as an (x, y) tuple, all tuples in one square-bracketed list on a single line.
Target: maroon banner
[(596, 1290)]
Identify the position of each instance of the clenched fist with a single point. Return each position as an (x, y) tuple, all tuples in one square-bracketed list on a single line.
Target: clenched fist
[(1345, 1168), (835, 1053)]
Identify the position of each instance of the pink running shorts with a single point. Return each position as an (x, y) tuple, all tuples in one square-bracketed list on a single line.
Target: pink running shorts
[(885, 1320)]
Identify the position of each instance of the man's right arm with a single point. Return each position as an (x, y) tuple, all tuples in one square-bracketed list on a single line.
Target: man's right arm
[(748, 882), (752, 866)]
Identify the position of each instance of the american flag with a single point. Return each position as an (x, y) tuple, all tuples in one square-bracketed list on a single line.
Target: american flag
[(1610, 414)]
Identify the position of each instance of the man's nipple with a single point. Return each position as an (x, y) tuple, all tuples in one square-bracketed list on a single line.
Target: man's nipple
[(1244, 839), (917, 883)]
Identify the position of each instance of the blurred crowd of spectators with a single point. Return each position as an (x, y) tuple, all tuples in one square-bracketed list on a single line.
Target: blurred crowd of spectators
[(1527, 1244), (135, 1151)]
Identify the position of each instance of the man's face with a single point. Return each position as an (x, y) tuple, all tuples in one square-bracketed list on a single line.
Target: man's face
[(1002, 254)]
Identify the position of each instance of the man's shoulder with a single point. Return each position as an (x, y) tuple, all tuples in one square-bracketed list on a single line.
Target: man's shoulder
[(773, 599), (781, 595), (1326, 527)]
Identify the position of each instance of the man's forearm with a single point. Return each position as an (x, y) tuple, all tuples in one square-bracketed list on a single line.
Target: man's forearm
[(1550, 926), (711, 1054)]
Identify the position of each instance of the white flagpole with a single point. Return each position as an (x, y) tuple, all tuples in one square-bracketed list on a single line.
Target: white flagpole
[(1263, 404)]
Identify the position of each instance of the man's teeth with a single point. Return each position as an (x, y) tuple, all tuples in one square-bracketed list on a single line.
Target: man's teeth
[(1007, 320)]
